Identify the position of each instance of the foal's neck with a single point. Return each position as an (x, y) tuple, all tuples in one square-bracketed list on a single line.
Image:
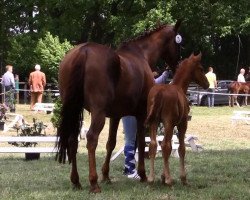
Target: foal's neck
[(182, 79)]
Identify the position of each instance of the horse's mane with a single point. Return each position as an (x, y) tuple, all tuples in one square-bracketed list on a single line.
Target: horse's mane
[(143, 35), (178, 75)]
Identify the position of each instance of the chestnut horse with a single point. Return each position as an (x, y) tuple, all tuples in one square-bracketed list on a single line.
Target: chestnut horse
[(168, 104), (238, 88), (111, 84)]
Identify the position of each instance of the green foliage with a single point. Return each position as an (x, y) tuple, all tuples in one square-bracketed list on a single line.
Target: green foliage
[(161, 14), (21, 54), (50, 51), (209, 26), (55, 119)]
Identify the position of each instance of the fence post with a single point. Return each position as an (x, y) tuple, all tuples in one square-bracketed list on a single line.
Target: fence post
[(25, 93), (17, 88)]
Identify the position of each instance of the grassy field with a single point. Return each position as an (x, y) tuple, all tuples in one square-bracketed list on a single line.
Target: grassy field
[(220, 171)]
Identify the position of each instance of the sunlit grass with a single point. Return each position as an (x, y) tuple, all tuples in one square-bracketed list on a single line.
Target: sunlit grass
[(220, 171)]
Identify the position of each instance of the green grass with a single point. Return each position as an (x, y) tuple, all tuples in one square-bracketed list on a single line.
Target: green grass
[(221, 171)]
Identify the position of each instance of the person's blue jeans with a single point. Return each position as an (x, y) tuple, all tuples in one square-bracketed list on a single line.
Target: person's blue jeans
[(210, 97), (130, 129)]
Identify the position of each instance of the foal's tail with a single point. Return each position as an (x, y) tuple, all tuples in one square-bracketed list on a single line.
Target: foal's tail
[(154, 109), (72, 109)]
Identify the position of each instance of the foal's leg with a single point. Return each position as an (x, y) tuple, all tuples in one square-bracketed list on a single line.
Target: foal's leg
[(182, 128), (152, 150), (74, 177), (166, 147), (113, 126), (97, 123)]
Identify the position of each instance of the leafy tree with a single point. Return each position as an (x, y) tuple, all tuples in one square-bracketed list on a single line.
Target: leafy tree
[(50, 52), (21, 55)]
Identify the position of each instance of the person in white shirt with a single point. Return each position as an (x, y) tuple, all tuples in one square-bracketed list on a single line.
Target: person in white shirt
[(241, 77)]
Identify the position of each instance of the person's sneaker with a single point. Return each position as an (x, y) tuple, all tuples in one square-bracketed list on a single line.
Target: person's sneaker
[(134, 175)]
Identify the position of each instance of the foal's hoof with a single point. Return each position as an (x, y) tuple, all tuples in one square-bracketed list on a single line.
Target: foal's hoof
[(184, 181), (166, 182), (94, 189), (151, 180)]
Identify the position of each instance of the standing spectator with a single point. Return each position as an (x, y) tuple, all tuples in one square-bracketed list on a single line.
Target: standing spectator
[(211, 77), (241, 77), (37, 82), (9, 86)]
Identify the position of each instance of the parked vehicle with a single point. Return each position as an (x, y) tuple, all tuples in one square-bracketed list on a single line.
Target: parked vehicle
[(198, 96)]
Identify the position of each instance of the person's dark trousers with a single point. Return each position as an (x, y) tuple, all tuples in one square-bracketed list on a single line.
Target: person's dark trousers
[(9, 97)]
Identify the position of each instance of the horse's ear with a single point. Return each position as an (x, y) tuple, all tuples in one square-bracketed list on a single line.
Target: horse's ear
[(197, 58), (192, 55), (177, 25)]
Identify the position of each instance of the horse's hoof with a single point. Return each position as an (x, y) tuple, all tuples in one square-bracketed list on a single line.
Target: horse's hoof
[(77, 186), (106, 180), (95, 189), (144, 179), (162, 179)]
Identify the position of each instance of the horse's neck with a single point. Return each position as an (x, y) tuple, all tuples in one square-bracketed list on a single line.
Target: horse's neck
[(151, 48), (182, 80)]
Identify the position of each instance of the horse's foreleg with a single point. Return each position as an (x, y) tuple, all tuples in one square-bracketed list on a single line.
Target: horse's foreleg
[(152, 150), (74, 177), (182, 128), (113, 126), (97, 123), (166, 146), (236, 101), (141, 149), (230, 97)]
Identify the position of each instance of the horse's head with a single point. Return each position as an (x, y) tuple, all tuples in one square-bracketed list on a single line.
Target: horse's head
[(198, 74), (171, 51)]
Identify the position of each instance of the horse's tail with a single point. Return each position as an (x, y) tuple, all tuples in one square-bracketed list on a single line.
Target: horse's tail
[(72, 109)]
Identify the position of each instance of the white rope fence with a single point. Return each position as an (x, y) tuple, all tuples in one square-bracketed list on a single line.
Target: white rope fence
[(217, 93), (23, 90), (189, 91)]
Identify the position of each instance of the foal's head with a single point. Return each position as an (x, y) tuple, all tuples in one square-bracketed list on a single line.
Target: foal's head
[(198, 75)]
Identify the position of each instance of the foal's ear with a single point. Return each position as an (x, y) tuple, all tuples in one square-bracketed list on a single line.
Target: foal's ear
[(177, 25), (198, 57)]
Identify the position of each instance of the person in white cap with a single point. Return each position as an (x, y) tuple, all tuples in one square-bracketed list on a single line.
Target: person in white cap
[(37, 82)]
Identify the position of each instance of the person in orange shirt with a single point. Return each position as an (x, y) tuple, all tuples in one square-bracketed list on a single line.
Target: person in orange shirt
[(37, 82)]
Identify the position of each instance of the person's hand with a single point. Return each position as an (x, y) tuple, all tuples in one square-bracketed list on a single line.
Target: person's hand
[(155, 74)]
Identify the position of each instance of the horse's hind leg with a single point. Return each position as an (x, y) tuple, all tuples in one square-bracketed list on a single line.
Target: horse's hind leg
[(113, 126), (152, 150), (74, 177), (97, 123), (166, 147), (182, 128), (141, 148)]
